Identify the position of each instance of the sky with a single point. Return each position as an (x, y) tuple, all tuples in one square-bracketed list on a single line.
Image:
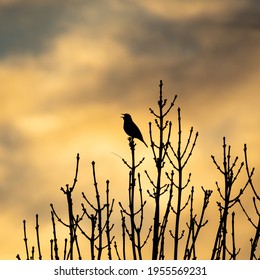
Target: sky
[(69, 69)]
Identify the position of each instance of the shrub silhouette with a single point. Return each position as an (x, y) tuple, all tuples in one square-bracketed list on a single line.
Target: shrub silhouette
[(95, 222)]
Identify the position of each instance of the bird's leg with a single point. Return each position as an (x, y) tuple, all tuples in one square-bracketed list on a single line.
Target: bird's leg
[(131, 143)]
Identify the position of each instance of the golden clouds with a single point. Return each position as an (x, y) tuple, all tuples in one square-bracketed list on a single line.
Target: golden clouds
[(68, 71)]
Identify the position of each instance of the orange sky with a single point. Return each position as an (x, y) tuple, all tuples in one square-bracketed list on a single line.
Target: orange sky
[(68, 71)]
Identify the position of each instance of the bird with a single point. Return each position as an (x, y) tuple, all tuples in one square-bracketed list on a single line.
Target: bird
[(131, 128)]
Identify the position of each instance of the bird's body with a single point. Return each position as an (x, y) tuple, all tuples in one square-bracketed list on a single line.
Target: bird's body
[(131, 128)]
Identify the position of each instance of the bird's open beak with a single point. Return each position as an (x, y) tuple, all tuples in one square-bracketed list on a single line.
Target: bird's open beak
[(122, 115)]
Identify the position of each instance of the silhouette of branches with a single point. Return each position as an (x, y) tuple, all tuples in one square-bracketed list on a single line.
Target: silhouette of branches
[(179, 155), (28, 257), (96, 220), (230, 176), (54, 241), (158, 188), (72, 223), (195, 225), (254, 240), (135, 229), (170, 197)]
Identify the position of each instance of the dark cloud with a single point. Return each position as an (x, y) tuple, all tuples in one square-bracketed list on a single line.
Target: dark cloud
[(27, 26), (24, 29), (201, 49), (193, 53), (196, 53)]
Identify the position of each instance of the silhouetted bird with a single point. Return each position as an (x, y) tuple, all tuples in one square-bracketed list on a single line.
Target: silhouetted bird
[(131, 128)]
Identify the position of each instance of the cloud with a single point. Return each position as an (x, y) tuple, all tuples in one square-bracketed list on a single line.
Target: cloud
[(26, 27), (69, 70), (209, 46), (204, 50)]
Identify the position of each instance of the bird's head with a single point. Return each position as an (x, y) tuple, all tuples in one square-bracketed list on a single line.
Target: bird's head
[(126, 117)]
